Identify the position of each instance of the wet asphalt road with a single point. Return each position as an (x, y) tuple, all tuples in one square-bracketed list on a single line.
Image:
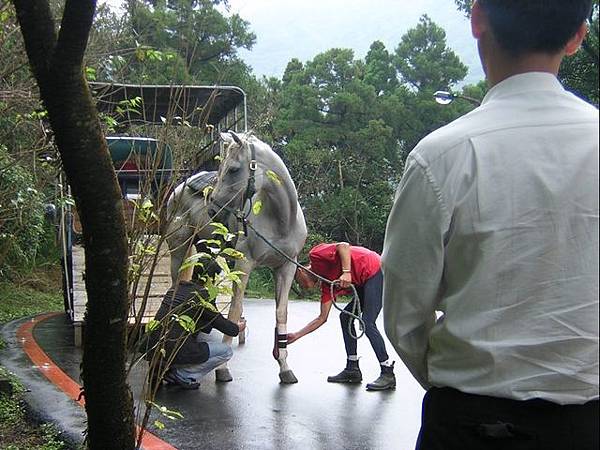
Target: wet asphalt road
[(254, 411)]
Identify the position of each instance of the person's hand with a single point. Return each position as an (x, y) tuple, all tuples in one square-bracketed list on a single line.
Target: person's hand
[(241, 324), (291, 337), (345, 280)]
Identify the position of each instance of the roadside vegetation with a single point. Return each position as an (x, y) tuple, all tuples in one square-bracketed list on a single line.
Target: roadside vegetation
[(17, 431), (32, 292)]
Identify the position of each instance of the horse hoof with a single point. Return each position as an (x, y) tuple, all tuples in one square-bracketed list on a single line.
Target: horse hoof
[(223, 375), (287, 377)]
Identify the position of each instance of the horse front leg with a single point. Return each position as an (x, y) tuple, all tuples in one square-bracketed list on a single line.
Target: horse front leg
[(222, 373), (283, 281), (179, 252)]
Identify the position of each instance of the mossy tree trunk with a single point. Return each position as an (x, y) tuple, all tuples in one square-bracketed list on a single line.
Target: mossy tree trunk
[(56, 59)]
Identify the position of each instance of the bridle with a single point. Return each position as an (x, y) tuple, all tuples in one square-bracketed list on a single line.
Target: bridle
[(239, 214)]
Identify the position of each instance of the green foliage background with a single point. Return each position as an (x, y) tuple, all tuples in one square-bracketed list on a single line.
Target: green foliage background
[(343, 124), (21, 216)]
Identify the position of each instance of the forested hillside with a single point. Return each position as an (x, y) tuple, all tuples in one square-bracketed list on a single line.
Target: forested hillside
[(343, 124)]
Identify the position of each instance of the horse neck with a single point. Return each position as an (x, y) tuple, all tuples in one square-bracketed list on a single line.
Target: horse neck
[(279, 200)]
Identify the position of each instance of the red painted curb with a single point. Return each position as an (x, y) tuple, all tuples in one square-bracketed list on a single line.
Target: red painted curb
[(65, 383)]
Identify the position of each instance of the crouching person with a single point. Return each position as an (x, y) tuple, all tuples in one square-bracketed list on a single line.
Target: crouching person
[(179, 343)]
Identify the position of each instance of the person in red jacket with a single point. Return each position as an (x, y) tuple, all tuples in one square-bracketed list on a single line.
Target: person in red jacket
[(361, 267)]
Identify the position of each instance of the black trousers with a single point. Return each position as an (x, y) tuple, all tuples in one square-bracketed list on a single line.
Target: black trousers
[(370, 295), (453, 420)]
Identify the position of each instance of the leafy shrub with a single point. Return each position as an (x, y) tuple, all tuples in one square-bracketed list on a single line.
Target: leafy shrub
[(21, 213)]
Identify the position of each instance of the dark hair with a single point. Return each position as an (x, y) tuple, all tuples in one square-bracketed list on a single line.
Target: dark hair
[(527, 26)]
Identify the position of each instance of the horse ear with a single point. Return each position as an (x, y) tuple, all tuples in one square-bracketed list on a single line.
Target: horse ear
[(236, 138), (226, 137)]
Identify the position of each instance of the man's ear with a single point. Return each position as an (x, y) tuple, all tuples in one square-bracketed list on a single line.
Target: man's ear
[(479, 21), (575, 42)]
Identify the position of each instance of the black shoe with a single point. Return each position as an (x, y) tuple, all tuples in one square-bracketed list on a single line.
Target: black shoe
[(351, 374), (173, 378), (387, 380)]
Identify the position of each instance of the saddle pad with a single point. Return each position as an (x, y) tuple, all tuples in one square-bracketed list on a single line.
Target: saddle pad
[(200, 180)]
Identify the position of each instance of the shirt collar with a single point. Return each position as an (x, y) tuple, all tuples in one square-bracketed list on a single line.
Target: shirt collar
[(523, 82)]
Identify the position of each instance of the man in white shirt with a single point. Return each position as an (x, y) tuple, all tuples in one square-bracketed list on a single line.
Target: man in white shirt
[(495, 227)]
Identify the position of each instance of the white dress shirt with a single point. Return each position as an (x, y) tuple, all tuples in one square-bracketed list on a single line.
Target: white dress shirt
[(495, 226)]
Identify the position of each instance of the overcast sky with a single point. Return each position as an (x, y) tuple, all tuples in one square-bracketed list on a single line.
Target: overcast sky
[(287, 29), (302, 29)]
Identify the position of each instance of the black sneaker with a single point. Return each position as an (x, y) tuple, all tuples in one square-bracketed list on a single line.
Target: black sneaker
[(173, 378)]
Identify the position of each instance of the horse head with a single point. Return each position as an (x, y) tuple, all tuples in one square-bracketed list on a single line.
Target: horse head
[(236, 180)]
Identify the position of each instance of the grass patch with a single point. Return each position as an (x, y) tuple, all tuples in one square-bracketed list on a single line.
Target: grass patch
[(16, 432), (29, 293), (262, 285)]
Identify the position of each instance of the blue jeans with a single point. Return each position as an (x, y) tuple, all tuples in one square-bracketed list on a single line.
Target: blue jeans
[(370, 295), (218, 353)]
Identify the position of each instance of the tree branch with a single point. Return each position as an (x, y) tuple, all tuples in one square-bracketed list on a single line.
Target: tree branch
[(73, 36), (39, 35)]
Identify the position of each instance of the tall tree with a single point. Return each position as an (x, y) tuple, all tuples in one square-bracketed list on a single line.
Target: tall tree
[(56, 60), (345, 125), (341, 154), (424, 61), (379, 69), (199, 44)]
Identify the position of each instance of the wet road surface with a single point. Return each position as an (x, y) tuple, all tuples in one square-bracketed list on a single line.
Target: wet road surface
[(254, 411)]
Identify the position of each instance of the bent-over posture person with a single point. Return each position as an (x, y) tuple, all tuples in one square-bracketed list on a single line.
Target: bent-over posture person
[(495, 224), (193, 357), (361, 267)]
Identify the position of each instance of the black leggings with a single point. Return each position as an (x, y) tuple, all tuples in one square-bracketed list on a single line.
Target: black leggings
[(370, 295)]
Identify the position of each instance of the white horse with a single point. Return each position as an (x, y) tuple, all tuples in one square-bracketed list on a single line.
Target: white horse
[(253, 183)]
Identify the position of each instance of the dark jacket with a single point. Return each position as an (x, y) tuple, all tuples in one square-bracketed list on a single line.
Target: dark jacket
[(184, 301)]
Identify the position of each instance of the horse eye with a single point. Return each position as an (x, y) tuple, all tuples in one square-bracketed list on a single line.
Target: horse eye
[(233, 170)]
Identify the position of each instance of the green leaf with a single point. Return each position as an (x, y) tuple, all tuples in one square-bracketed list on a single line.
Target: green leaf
[(207, 190), (189, 264), (152, 325), (225, 289), (187, 323), (205, 303), (211, 289), (159, 425), (90, 74), (168, 413), (222, 262), (193, 261), (233, 253), (257, 207), (150, 250), (274, 177), (219, 229)]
